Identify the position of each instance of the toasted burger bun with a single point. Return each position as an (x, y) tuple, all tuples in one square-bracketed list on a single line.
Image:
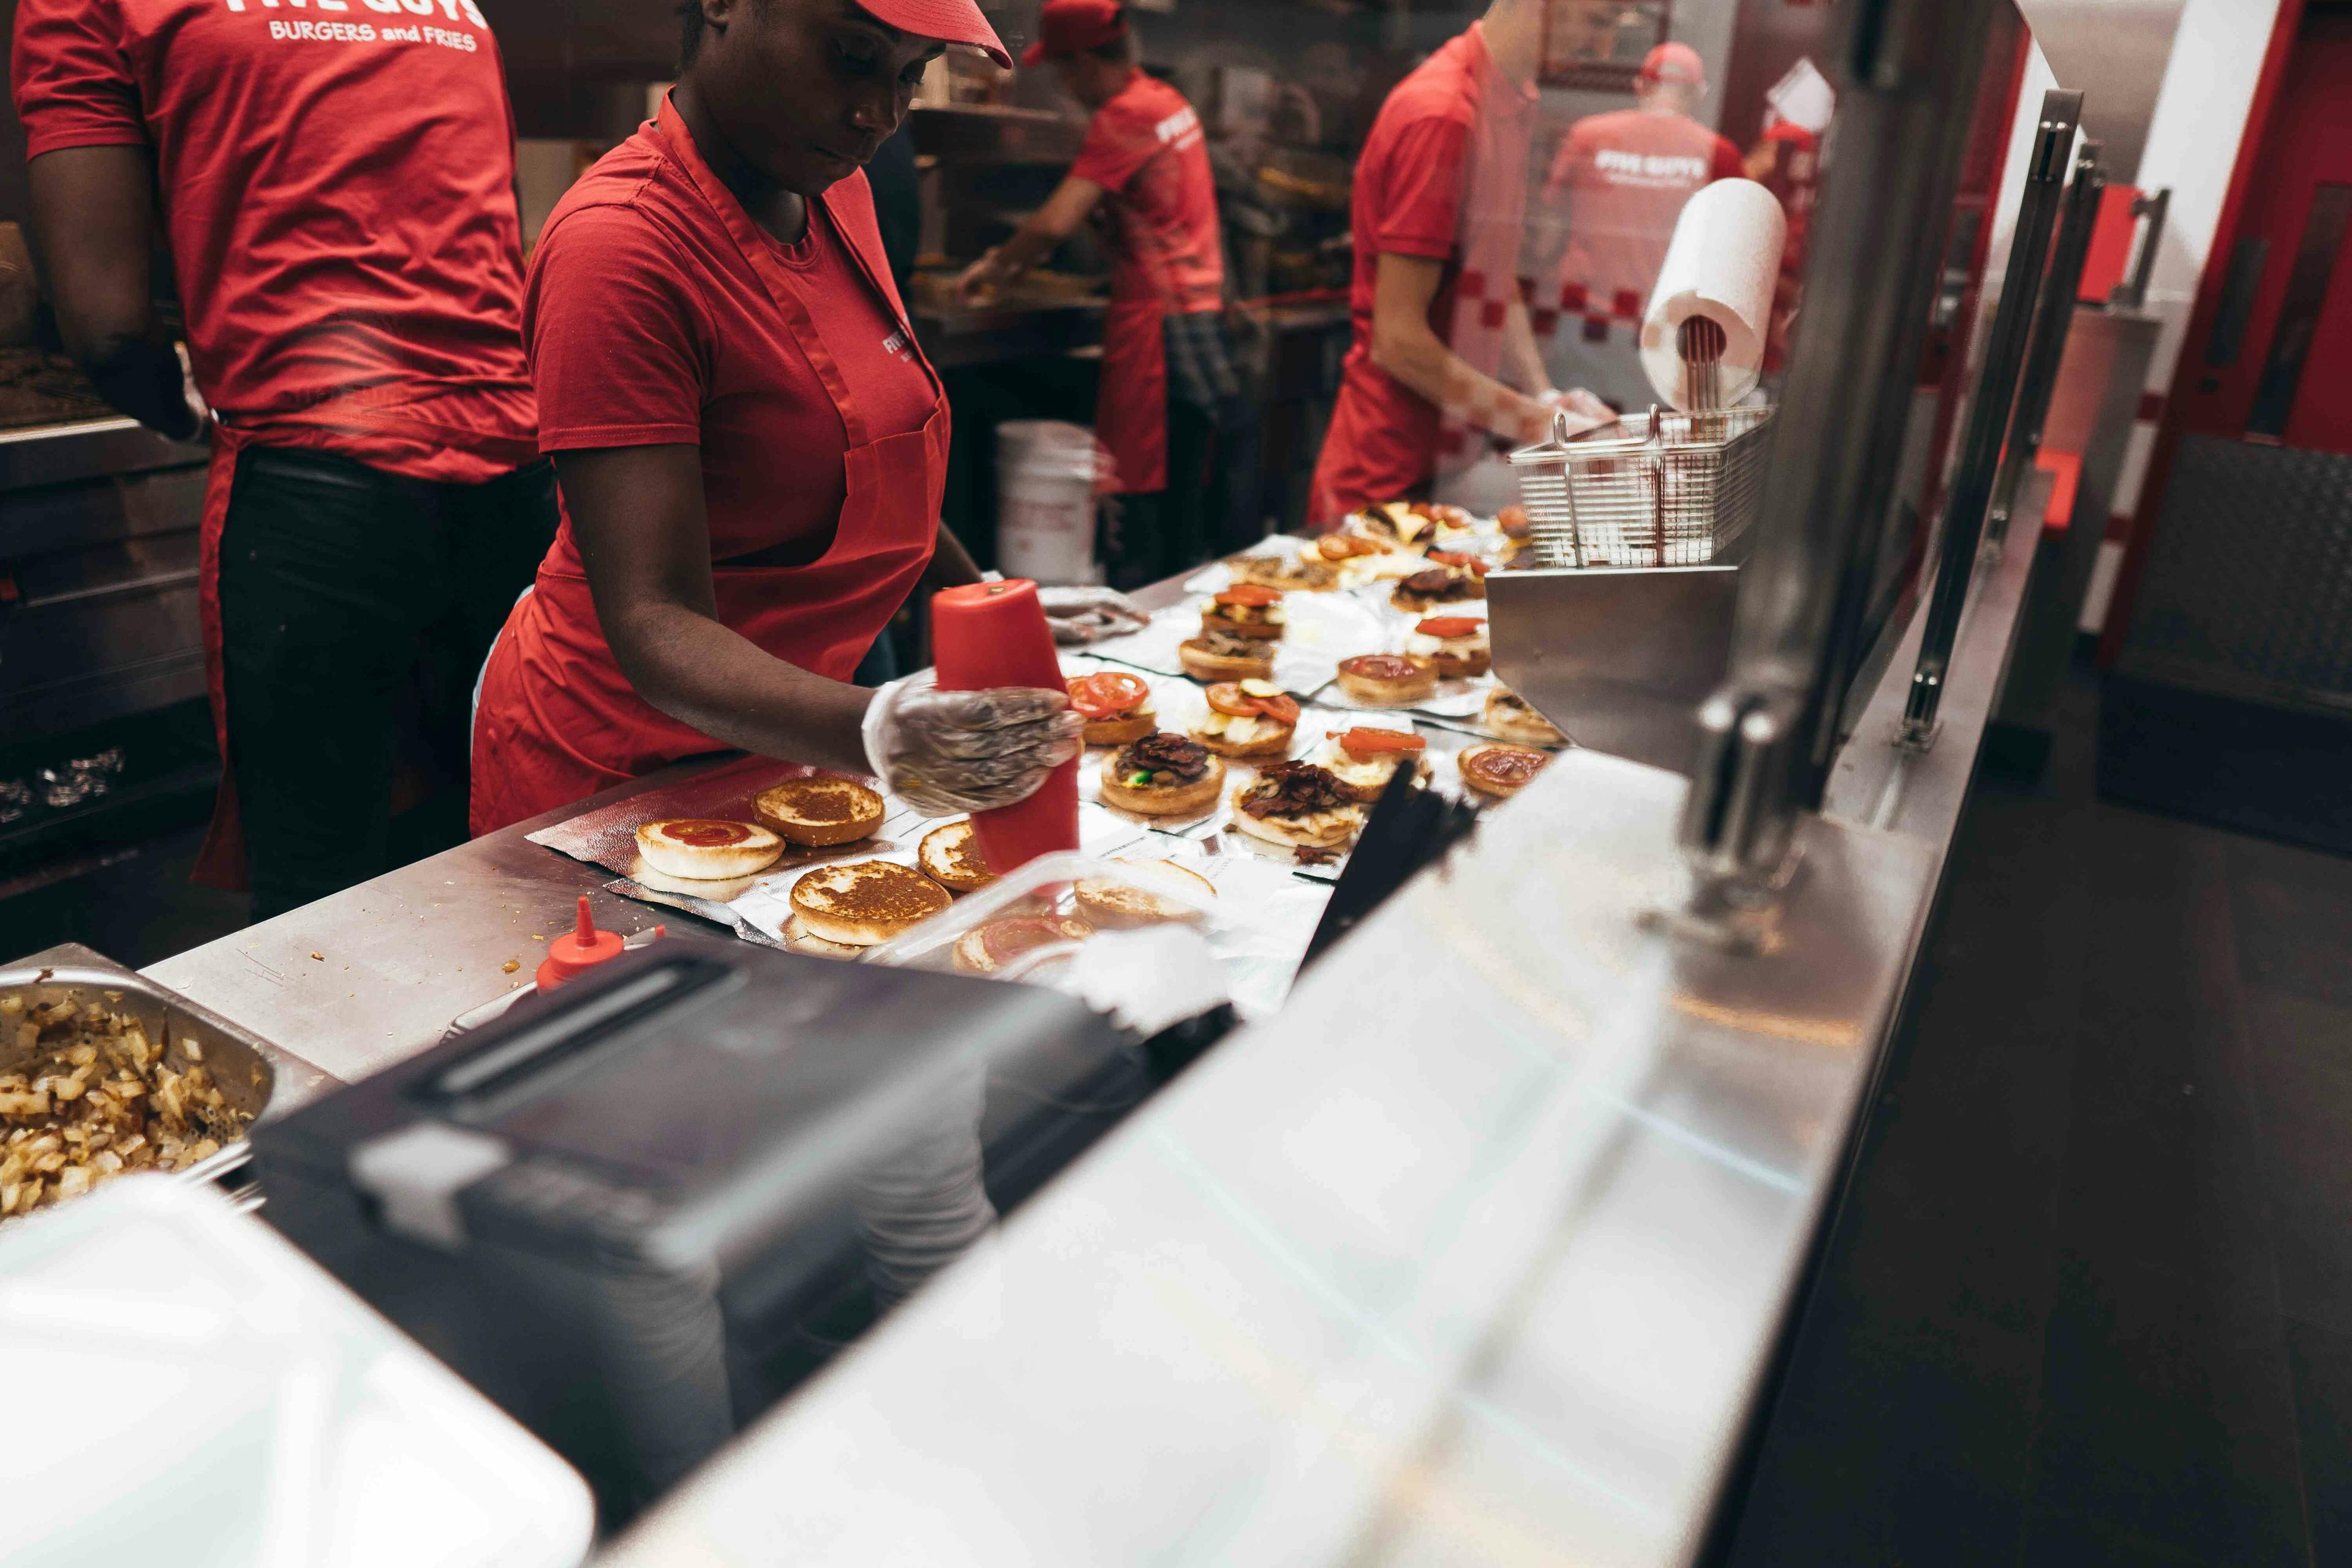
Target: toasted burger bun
[(703, 850), (1201, 665), (950, 856), (717, 891), (865, 902), (1266, 738), (1163, 800), (820, 812), (1468, 759), (1389, 692), (1506, 722), (1215, 620), (1170, 895), (1332, 829), (997, 944), (1129, 727)]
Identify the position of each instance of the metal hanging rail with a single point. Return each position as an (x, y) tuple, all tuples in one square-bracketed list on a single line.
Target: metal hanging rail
[(2052, 324), (1988, 416)]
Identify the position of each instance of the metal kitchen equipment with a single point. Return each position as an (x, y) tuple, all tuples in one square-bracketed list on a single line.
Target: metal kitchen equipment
[(1905, 72), (1995, 413), (1673, 489), (255, 1077), (627, 1210)]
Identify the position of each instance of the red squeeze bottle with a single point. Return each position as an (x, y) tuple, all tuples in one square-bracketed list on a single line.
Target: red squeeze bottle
[(573, 956), (994, 634)]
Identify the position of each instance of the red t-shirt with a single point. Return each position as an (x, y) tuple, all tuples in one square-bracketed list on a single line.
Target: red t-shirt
[(647, 327), (338, 189), (1145, 148), (1618, 185), (1443, 176)]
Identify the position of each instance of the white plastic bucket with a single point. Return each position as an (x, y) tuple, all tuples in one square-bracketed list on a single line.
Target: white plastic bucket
[(1045, 501)]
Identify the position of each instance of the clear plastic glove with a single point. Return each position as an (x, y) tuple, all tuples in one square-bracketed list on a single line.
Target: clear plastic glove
[(948, 752), (1584, 410), (1083, 615)]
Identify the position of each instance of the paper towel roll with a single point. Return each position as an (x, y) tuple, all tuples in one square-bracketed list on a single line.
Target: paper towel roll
[(1722, 264)]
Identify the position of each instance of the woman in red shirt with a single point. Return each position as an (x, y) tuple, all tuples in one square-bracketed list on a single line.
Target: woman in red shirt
[(751, 445)]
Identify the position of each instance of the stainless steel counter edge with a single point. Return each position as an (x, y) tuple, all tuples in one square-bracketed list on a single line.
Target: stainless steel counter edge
[(1478, 1253)]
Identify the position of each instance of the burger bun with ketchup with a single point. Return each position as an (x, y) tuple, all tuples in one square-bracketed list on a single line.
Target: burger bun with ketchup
[(705, 851)]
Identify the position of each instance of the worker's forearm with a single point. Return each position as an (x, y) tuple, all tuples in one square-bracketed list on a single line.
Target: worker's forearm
[(951, 564), (140, 375), (1427, 366), (700, 673), (1521, 358), (1030, 244)]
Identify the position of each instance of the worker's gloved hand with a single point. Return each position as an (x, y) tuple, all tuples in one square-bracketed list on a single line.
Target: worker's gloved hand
[(1585, 411), (946, 752), (1081, 614)]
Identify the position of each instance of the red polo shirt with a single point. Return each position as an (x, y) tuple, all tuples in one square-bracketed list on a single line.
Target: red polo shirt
[(1443, 177), (647, 327), (338, 190), (1145, 148), (1619, 184)]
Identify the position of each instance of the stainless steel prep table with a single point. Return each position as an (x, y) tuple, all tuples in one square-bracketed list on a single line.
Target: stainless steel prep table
[(375, 975)]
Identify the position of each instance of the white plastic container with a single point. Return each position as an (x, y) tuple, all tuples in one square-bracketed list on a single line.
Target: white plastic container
[(1045, 473), (193, 1389)]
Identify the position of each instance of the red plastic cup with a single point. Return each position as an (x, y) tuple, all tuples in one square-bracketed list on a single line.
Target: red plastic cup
[(994, 634)]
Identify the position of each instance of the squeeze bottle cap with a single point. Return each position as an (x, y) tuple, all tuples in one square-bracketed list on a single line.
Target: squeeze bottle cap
[(578, 950)]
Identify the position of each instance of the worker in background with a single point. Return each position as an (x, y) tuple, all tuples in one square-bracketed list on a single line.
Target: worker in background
[(337, 195), (1167, 377), (1443, 364), (1617, 186)]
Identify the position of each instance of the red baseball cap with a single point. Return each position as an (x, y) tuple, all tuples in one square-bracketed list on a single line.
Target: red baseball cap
[(948, 21), (1674, 62), (1074, 27)]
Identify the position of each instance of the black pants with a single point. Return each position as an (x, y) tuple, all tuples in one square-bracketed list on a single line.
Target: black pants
[(356, 608)]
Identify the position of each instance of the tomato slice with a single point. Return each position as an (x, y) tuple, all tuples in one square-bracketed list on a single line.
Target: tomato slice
[(1371, 743), (1251, 593), (1228, 698), (1449, 626), (1107, 695)]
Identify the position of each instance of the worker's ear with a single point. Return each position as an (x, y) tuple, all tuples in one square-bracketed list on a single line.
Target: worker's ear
[(717, 13)]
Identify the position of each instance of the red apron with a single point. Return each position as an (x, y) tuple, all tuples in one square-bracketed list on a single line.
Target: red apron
[(221, 863), (1131, 408), (558, 720)]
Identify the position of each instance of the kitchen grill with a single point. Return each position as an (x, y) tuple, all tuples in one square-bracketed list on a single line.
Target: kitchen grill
[(1677, 490)]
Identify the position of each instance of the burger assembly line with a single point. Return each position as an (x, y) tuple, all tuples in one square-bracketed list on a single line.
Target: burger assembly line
[(517, 533), (1195, 753)]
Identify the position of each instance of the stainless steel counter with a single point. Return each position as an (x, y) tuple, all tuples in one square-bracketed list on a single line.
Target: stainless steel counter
[(375, 975), (1478, 1254)]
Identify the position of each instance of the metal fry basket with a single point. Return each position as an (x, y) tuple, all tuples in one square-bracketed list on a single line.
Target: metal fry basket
[(1675, 489)]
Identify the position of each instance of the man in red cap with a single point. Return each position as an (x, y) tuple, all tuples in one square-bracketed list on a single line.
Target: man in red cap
[(1166, 372), (1443, 364), (1617, 186)]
